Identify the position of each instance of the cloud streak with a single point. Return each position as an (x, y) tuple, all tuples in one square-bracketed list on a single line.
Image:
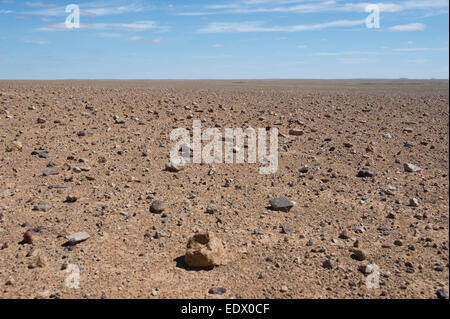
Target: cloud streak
[(134, 26), (309, 6), (88, 9), (408, 27), (238, 27)]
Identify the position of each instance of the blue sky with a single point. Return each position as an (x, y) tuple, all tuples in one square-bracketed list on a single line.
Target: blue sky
[(224, 39)]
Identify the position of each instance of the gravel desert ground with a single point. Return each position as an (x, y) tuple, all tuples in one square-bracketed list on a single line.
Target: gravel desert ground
[(365, 161)]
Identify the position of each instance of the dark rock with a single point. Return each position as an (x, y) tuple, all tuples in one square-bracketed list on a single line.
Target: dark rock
[(367, 173), (217, 291), (281, 204)]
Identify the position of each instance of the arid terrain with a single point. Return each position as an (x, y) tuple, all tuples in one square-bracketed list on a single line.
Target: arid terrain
[(89, 156)]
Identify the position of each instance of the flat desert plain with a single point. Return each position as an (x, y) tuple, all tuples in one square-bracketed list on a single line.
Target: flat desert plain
[(365, 161)]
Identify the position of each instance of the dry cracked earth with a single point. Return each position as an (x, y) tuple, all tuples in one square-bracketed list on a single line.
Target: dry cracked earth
[(89, 156)]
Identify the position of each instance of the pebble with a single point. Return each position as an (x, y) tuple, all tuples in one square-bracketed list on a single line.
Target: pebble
[(39, 261), (281, 204), (43, 206), (217, 291), (50, 172), (304, 169), (441, 294), (344, 235), (398, 242), (212, 208), (40, 154), (158, 206), (359, 254), (28, 237), (296, 132), (367, 173), (174, 165), (76, 238), (413, 202), (328, 264), (411, 168), (15, 146), (286, 229), (118, 120), (72, 198)]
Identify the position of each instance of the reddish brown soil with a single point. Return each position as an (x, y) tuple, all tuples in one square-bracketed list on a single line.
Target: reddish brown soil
[(121, 259)]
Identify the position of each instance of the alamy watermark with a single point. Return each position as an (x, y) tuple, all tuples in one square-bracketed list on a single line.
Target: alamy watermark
[(73, 19), (373, 20), (373, 279), (221, 148), (73, 279)]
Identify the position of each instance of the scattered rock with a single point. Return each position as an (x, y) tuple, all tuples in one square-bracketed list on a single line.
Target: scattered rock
[(441, 294), (328, 264), (118, 120), (296, 132), (15, 146), (217, 291), (43, 206), (212, 208), (175, 165), (77, 238), (28, 237), (50, 172), (304, 169), (344, 235), (281, 204), (284, 289), (411, 168), (359, 254), (413, 202), (72, 198), (286, 229), (39, 261), (204, 250), (367, 173), (158, 206)]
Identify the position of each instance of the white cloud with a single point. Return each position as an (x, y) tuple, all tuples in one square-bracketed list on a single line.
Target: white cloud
[(356, 60), (414, 49), (89, 9), (5, 11), (109, 35), (310, 6), (418, 61), (37, 4), (302, 46), (157, 40), (134, 26), (39, 42), (217, 45), (236, 27), (408, 27), (345, 53)]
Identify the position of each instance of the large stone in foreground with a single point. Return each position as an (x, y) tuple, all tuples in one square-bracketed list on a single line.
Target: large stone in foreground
[(281, 204), (204, 250)]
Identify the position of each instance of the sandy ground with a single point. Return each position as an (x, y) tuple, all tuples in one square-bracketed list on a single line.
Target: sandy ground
[(115, 170)]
